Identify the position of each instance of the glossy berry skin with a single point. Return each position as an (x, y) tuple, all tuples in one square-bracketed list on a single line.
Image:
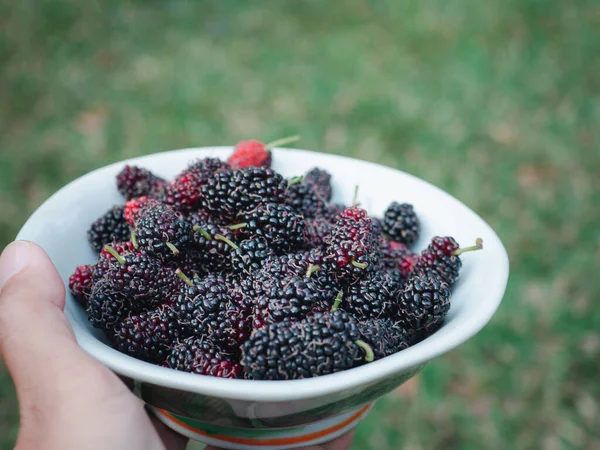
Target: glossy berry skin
[(107, 307), (210, 309), (199, 217), (161, 225), (424, 303), (135, 182), (250, 153), (183, 193), (353, 239), (250, 255), (285, 266), (290, 298), (332, 212), (375, 297), (202, 357), (305, 200), (401, 224), (316, 231), (148, 336), (188, 263), (203, 297), (384, 336), (80, 284), (105, 258), (320, 181), (214, 255), (296, 263), (283, 229), (144, 279), (136, 207), (319, 345), (230, 194), (438, 258), (109, 228)]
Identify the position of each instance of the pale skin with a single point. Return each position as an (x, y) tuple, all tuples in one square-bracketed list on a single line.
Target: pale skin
[(67, 399)]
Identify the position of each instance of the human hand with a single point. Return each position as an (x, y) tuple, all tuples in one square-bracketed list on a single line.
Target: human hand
[(67, 399)]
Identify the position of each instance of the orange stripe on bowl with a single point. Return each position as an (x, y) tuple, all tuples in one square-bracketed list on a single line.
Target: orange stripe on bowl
[(273, 441)]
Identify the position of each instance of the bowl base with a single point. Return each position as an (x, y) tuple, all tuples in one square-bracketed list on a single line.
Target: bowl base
[(236, 439)]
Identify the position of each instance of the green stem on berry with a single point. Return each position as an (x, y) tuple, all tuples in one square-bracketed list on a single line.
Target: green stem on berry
[(237, 226), (184, 277), (370, 356), (134, 240), (113, 252), (220, 237), (359, 264), (338, 300), (172, 248), (280, 142), (295, 180), (202, 231), (478, 246), (355, 199), (311, 269), (196, 276)]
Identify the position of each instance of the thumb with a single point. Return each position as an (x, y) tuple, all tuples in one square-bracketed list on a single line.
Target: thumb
[(36, 341)]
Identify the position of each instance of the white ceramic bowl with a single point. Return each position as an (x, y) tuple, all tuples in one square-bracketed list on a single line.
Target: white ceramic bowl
[(242, 414)]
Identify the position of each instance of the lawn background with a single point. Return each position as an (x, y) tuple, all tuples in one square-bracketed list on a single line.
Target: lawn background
[(495, 102)]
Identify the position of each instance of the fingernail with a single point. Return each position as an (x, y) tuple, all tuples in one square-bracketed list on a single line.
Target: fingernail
[(14, 259)]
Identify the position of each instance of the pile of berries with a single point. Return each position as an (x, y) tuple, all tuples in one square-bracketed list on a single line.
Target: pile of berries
[(232, 270)]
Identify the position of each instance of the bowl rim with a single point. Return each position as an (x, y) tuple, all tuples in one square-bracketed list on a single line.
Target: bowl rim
[(286, 390)]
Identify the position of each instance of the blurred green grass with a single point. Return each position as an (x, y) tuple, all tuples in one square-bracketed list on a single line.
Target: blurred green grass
[(496, 103)]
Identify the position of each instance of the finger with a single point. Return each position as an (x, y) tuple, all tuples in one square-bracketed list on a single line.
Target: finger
[(171, 439), (36, 341), (341, 443)]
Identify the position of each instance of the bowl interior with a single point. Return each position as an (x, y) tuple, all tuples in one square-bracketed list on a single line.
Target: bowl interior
[(60, 226)]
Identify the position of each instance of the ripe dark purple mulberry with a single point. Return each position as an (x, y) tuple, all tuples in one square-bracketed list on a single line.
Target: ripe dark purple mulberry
[(213, 254), (148, 336), (297, 263), (283, 229), (305, 200), (308, 264), (250, 255), (316, 231), (111, 227), (384, 336), (106, 257), (320, 181), (145, 280), (423, 303), (202, 357), (401, 224), (290, 298), (163, 232), (107, 307), (208, 308), (372, 298), (135, 182), (320, 345), (229, 194), (332, 212)]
